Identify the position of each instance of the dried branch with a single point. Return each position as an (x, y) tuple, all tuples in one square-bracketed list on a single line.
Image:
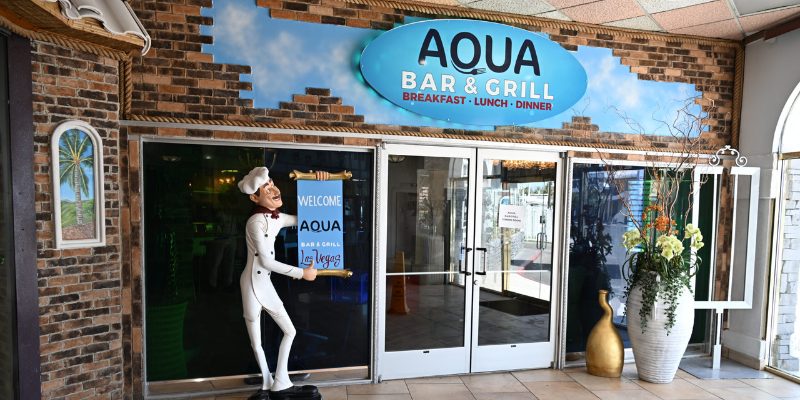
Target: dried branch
[(686, 127)]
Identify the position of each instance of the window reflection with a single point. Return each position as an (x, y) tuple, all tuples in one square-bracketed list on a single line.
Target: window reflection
[(515, 293), (195, 253), (596, 255), (427, 214)]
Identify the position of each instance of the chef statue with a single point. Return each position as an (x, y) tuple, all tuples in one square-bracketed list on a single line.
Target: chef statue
[(257, 291)]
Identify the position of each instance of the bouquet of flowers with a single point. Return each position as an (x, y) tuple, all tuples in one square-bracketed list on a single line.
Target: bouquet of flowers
[(656, 256)]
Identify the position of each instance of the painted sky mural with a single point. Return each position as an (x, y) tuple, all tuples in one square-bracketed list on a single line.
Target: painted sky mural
[(288, 56)]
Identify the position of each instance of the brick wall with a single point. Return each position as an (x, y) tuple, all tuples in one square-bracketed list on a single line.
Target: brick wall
[(177, 81), (79, 289), (335, 12)]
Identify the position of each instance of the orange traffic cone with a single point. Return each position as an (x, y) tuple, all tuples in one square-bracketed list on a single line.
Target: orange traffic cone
[(398, 303)]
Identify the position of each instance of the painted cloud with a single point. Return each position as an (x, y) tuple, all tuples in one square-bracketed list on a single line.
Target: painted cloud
[(288, 56)]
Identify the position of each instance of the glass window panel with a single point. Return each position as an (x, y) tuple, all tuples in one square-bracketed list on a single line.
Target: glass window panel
[(702, 288), (741, 235), (790, 142), (429, 315), (195, 253), (515, 292), (598, 218), (427, 230)]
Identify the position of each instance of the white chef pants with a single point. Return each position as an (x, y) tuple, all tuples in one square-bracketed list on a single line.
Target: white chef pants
[(254, 330)]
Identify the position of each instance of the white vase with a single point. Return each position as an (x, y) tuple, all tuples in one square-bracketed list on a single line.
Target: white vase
[(657, 354)]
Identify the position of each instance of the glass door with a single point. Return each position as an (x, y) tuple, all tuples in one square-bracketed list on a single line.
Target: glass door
[(517, 207), (426, 231), (468, 238)]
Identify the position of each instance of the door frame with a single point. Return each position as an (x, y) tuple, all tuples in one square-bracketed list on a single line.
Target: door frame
[(20, 147), (459, 356), (382, 357)]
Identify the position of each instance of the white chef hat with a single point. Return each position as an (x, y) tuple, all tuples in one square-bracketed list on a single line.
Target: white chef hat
[(254, 180)]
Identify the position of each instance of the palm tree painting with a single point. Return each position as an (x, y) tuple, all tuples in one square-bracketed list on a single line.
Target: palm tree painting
[(76, 176)]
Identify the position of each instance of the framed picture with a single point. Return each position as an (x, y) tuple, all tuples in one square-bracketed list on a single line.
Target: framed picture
[(77, 158)]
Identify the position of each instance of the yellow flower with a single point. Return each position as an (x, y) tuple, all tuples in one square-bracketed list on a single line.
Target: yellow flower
[(670, 246), (631, 239), (693, 233)]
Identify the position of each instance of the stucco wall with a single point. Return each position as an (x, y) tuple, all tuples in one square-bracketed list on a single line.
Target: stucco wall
[(770, 75)]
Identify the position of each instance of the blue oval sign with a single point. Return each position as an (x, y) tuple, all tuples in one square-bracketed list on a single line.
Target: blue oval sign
[(473, 72)]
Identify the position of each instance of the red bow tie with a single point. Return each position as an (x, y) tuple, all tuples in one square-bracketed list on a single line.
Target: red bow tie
[(274, 214)]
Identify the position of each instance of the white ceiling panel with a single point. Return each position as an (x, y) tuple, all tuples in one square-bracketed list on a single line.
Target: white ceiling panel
[(554, 15), (656, 6), (523, 7), (644, 23), (745, 7), (730, 19)]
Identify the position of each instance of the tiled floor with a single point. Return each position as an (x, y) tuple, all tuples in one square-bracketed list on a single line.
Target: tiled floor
[(570, 384)]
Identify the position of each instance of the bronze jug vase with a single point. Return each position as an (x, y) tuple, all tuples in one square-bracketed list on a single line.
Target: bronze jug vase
[(604, 351)]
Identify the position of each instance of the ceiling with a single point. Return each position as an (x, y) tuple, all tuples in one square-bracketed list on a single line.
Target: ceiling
[(729, 19)]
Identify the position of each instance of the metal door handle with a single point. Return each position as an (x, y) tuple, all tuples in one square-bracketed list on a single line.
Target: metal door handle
[(482, 249), (540, 240), (466, 251)]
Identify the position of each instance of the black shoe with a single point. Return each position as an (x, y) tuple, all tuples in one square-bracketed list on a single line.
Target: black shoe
[(261, 394), (296, 392)]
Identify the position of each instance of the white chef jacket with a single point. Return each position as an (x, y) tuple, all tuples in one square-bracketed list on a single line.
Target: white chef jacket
[(255, 282)]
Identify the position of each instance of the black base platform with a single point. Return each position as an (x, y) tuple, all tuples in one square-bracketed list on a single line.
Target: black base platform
[(305, 392), (264, 395)]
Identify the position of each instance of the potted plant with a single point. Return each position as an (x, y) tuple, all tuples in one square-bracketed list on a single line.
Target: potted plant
[(661, 256)]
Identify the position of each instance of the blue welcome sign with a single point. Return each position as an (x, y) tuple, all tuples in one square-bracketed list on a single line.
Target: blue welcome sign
[(319, 224), (473, 72)]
